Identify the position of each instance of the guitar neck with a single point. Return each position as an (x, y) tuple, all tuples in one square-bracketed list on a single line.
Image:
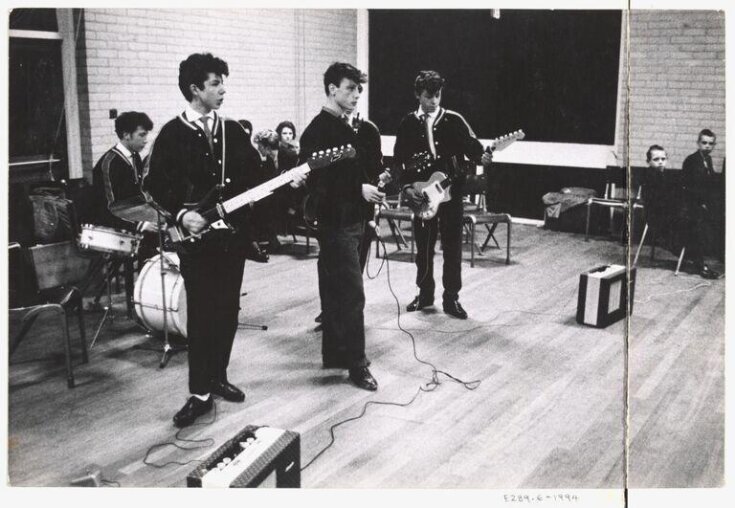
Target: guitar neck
[(263, 190)]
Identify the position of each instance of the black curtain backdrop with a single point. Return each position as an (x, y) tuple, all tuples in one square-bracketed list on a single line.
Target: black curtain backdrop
[(553, 74)]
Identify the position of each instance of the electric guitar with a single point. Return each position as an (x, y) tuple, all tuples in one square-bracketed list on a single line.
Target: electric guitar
[(436, 190), (417, 163), (216, 211)]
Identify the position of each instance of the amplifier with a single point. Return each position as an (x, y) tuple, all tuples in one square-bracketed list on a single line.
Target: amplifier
[(253, 456), (603, 295)]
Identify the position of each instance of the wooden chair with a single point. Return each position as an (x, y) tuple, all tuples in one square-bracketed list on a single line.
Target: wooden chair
[(653, 250), (474, 214), (54, 268), (615, 198)]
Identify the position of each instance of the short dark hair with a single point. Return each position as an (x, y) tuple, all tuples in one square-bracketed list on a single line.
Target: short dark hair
[(247, 125), (195, 70), (429, 81), (129, 121), (651, 149), (706, 132), (284, 124), (338, 71)]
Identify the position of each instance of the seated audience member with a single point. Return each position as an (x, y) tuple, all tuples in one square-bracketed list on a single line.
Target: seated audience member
[(669, 213), (291, 200), (288, 147), (704, 193)]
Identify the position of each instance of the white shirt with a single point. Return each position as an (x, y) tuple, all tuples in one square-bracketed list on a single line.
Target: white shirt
[(430, 119), (127, 153), (195, 116)]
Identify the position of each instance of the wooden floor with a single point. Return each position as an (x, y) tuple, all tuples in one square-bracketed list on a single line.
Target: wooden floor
[(549, 411)]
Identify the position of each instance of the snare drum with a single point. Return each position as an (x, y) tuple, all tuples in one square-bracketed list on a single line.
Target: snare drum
[(148, 299), (109, 240)]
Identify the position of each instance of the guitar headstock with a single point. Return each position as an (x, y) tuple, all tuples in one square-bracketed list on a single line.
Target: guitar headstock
[(505, 141), (324, 158)]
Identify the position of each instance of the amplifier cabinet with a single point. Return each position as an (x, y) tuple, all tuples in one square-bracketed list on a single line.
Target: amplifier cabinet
[(249, 458), (603, 295)]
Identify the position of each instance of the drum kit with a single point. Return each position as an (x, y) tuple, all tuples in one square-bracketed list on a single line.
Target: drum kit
[(160, 305)]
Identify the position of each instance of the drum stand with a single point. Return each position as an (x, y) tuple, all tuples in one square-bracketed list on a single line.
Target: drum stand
[(111, 266)]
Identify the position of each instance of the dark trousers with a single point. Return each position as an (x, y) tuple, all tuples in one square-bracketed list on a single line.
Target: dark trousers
[(212, 280), (368, 236), (448, 222), (342, 295), (693, 231)]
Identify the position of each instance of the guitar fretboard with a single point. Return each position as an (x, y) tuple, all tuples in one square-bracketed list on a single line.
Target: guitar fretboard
[(263, 190)]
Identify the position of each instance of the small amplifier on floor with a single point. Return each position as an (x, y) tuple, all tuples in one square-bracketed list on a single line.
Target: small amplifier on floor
[(256, 456), (603, 295)]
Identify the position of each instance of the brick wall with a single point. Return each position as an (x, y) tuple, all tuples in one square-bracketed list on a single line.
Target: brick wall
[(677, 82), (128, 60)]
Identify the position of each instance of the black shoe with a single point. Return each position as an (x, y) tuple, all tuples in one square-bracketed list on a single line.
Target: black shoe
[(337, 363), (707, 273), (362, 378), (274, 245), (228, 391), (420, 302), (454, 308), (254, 253), (193, 409)]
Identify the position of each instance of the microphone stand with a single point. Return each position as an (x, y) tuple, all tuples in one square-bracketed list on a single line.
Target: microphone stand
[(168, 349)]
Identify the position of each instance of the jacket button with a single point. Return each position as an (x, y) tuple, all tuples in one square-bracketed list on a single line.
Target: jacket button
[(219, 160), (215, 140), (227, 180)]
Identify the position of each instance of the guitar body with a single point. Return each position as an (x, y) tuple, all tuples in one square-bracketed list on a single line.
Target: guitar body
[(181, 240), (435, 191)]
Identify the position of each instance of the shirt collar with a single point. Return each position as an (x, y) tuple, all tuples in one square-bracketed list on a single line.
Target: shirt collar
[(123, 150), (334, 112), (192, 115), (431, 116)]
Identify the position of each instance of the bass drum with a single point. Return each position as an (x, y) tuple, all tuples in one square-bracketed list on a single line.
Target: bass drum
[(148, 299)]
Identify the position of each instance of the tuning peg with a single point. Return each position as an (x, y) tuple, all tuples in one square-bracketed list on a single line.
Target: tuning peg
[(349, 145), (314, 154), (321, 153)]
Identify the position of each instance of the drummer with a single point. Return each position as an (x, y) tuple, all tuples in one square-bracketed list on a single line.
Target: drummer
[(117, 176)]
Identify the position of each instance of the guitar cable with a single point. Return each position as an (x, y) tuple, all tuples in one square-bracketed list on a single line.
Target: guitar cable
[(429, 386), (199, 443)]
